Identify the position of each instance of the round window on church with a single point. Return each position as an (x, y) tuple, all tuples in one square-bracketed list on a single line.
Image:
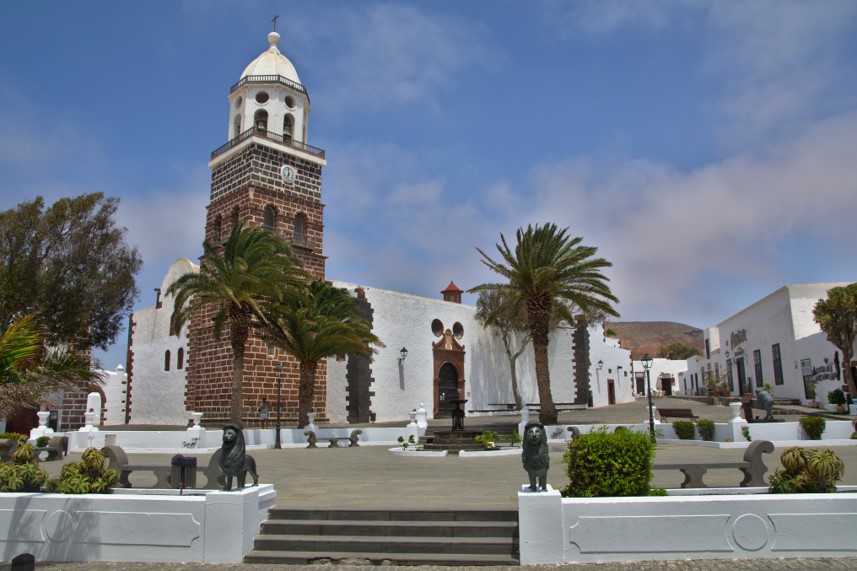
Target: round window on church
[(290, 102), (437, 327), (238, 102), (262, 97), (458, 330)]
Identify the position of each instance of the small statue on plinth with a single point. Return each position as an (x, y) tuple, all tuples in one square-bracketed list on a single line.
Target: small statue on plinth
[(536, 456), (767, 402)]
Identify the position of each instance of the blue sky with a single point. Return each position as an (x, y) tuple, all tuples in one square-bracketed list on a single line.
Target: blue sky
[(708, 149)]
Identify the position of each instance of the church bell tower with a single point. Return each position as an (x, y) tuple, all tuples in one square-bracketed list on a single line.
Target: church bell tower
[(268, 176)]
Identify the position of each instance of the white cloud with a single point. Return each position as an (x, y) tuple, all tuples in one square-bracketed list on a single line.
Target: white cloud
[(393, 54), (666, 230)]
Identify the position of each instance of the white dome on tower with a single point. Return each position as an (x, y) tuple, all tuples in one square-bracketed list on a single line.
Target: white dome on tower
[(272, 62)]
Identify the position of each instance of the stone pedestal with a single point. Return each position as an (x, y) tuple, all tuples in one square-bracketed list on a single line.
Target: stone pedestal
[(43, 429)]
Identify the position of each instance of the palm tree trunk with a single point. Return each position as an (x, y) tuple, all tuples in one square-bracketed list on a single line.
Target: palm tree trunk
[(538, 319), (305, 391), (238, 339), (516, 393)]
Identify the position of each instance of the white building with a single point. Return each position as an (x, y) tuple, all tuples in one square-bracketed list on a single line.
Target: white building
[(775, 340), (157, 357)]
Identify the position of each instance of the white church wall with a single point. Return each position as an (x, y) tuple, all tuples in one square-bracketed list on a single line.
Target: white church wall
[(157, 395), (403, 320)]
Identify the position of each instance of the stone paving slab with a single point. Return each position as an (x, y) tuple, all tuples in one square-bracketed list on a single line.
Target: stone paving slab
[(685, 565)]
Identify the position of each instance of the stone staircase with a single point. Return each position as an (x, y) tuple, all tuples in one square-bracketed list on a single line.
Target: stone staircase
[(388, 537)]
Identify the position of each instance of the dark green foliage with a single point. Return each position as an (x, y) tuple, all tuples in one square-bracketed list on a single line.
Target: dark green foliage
[(603, 464), (684, 429), (706, 429), (23, 474), (42, 441), (836, 396), (836, 315), (85, 477), (677, 351), (14, 436), (69, 264), (807, 471), (486, 437), (814, 426)]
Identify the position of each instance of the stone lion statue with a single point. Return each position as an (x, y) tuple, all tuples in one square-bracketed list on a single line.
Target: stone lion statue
[(767, 402), (234, 461), (535, 455)]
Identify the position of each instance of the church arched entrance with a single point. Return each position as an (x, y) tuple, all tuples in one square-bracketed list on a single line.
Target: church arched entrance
[(447, 390), (448, 373)]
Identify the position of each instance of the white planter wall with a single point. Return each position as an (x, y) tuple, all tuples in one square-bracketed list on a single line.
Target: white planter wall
[(555, 530), (215, 527)]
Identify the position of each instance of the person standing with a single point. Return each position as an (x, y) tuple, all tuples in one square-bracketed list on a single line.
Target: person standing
[(263, 412)]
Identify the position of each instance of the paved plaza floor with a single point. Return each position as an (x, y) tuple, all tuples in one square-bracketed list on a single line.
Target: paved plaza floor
[(372, 477)]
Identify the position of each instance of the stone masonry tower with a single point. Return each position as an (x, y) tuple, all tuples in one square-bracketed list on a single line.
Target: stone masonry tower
[(267, 176)]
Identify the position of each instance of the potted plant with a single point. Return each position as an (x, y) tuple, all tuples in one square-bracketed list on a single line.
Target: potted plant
[(837, 397), (810, 394)]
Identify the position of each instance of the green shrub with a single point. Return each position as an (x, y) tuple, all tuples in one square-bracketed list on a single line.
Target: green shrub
[(85, 477), (684, 429), (24, 474), (487, 439), (603, 464), (42, 441), (807, 471), (706, 429), (14, 436), (814, 426), (836, 396)]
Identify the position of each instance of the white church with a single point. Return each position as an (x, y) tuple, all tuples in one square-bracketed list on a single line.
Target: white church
[(436, 352)]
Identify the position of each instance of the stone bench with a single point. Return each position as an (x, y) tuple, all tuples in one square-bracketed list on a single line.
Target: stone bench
[(560, 406), (57, 448), (117, 459), (753, 467), (313, 438), (676, 413)]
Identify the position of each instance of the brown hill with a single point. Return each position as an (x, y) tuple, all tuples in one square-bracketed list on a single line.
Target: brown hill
[(643, 337)]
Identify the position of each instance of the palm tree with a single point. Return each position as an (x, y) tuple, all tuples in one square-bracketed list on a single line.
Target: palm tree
[(255, 267), (550, 272), (320, 322), (29, 371)]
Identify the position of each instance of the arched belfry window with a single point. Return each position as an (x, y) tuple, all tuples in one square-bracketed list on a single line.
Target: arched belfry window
[(217, 228), (270, 219), (236, 125), (260, 120), (288, 126), (167, 361), (300, 228)]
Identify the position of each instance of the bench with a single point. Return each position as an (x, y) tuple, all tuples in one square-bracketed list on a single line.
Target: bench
[(313, 438), (560, 406), (753, 467), (57, 447), (117, 460), (676, 413)]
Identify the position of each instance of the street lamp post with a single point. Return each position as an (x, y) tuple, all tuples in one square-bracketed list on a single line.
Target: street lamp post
[(279, 369), (647, 364)]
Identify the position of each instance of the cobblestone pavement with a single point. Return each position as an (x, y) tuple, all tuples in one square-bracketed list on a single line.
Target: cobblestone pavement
[(691, 565)]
